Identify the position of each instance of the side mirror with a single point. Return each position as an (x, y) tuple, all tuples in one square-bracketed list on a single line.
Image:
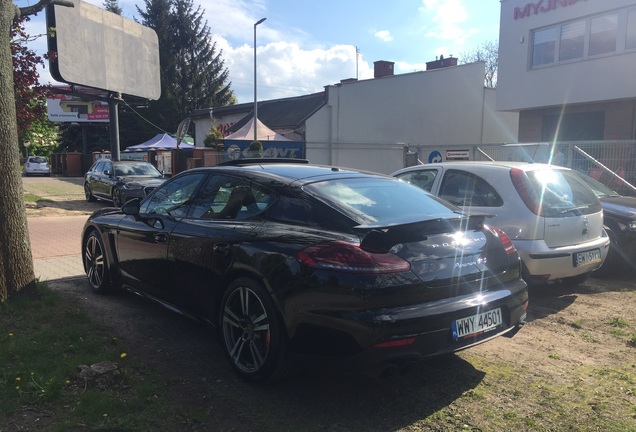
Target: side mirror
[(108, 173), (131, 207)]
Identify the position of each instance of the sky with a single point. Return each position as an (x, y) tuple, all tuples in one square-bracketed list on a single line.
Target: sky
[(305, 45)]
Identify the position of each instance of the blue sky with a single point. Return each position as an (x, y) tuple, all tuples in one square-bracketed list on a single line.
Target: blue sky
[(305, 45)]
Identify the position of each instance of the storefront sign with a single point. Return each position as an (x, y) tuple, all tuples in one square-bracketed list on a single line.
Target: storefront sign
[(457, 154), (542, 6)]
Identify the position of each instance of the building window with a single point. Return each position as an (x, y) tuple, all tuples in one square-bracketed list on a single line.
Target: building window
[(572, 43), (603, 34), (631, 29), (544, 46), (584, 38)]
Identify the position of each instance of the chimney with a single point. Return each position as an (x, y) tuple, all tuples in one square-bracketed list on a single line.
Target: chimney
[(441, 63), (382, 68)]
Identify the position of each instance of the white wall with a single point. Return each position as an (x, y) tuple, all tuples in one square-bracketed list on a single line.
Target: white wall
[(603, 78), (367, 124)]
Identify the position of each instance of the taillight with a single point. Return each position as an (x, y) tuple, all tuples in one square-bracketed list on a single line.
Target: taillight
[(526, 191), (347, 257), (505, 240)]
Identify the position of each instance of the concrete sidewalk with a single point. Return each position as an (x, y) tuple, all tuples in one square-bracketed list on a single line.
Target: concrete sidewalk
[(55, 246)]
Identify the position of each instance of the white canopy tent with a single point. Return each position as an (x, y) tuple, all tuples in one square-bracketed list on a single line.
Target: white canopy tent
[(263, 133)]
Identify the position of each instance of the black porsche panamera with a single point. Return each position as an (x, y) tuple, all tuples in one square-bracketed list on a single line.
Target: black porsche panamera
[(293, 258)]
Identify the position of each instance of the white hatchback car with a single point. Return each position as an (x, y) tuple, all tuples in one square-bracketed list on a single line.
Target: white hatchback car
[(553, 218), (36, 165)]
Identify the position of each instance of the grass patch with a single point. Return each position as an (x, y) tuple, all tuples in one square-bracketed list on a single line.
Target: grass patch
[(632, 341), (43, 343), (577, 324), (618, 323)]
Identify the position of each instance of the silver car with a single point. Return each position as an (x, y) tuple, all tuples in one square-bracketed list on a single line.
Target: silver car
[(553, 218)]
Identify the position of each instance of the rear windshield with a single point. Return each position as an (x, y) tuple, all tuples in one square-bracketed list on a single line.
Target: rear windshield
[(377, 199), (561, 193), (38, 159)]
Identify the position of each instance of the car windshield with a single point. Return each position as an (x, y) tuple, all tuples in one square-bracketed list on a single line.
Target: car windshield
[(38, 159), (377, 199), (599, 188), (136, 169)]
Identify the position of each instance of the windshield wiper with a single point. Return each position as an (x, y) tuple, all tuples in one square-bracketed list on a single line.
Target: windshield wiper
[(571, 209)]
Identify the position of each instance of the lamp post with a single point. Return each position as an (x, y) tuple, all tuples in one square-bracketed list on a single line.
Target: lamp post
[(255, 103)]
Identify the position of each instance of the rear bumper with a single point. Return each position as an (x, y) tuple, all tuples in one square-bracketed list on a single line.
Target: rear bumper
[(558, 263), (391, 339)]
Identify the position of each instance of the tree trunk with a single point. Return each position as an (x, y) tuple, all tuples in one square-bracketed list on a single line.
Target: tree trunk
[(16, 263)]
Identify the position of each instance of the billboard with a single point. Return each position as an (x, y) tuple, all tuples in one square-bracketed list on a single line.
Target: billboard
[(68, 108), (95, 48)]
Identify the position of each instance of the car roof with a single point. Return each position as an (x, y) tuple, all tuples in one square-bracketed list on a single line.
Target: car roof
[(291, 172), (525, 166)]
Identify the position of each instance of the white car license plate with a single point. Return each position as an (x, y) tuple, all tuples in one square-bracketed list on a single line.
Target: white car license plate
[(476, 324), (587, 258)]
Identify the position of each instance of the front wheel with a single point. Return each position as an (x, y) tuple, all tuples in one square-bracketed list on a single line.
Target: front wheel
[(117, 202), (252, 334), (96, 264), (88, 193)]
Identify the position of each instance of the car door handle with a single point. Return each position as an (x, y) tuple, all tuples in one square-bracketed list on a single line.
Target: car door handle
[(161, 237), (222, 248)]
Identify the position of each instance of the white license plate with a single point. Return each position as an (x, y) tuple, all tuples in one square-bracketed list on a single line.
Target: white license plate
[(587, 258), (476, 324)]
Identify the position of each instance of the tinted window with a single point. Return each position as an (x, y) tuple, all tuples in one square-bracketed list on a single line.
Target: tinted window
[(173, 198), (423, 179), (98, 167), (225, 197), (466, 189), (376, 199)]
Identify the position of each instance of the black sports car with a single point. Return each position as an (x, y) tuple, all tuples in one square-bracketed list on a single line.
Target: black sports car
[(120, 181), (292, 258), (619, 218)]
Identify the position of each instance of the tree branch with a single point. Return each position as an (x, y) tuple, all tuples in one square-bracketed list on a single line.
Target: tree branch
[(32, 10)]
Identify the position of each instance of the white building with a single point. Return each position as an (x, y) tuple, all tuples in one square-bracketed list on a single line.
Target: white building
[(373, 124), (567, 67)]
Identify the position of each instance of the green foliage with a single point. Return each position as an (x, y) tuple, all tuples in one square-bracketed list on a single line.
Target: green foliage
[(112, 6), (43, 137), (214, 138), (193, 74), (256, 147)]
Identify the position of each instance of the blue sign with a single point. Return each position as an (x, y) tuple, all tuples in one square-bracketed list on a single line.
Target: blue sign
[(435, 157)]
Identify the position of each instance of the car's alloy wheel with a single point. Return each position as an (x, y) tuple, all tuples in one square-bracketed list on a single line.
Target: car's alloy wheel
[(96, 264), (88, 194), (117, 198), (252, 335)]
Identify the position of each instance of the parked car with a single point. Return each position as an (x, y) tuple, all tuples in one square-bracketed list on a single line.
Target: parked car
[(291, 258), (553, 218), (120, 181), (619, 217), (36, 165)]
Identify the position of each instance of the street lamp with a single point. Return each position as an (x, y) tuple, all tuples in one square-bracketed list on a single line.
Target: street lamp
[(255, 103)]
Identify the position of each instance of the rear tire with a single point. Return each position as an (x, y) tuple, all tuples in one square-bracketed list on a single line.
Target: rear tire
[(251, 332), (96, 264)]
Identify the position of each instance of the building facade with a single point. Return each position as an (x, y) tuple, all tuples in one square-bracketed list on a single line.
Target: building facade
[(377, 124), (567, 68)]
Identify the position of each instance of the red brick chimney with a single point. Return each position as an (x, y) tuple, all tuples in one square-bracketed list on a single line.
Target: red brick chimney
[(382, 68)]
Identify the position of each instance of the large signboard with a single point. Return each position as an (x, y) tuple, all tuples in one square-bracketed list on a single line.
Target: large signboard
[(95, 48), (67, 108)]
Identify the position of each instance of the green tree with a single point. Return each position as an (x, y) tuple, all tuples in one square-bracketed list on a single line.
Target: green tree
[(16, 264), (112, 6), (193, 74)]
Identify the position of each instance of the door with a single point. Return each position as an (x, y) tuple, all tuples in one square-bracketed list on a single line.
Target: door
[(143, 240)]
